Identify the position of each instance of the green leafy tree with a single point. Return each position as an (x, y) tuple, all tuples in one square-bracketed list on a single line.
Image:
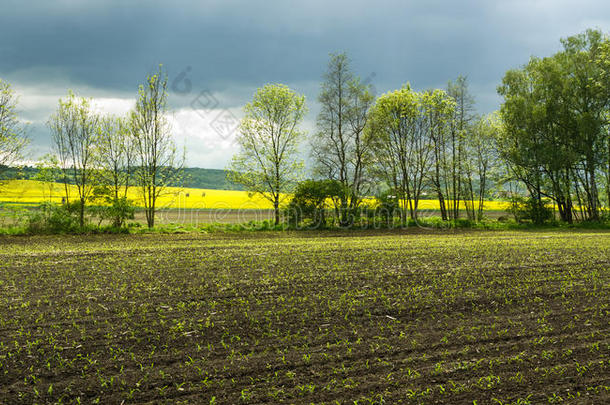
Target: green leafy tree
[(439, 110), (588, 108), (116, 164), (479, 158), (47, 170), (74, 128), (157, 160), (310, 201), (602, 59), (555, 114), (13, 139), (116, 154), (402, 149), (267, 163)]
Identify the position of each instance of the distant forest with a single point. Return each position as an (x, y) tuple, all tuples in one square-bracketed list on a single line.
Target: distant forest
[(194, 177)]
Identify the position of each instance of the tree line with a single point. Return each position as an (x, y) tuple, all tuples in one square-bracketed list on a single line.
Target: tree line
[(547, 149), (103, 155)]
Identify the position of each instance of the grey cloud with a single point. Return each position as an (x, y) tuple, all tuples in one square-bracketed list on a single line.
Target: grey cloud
[(105, 48)]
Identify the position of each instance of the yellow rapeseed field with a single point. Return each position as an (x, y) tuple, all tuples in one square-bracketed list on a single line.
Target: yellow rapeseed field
[(31, 191)]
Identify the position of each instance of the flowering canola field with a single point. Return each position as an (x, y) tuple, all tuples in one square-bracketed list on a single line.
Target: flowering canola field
[(32, 192)]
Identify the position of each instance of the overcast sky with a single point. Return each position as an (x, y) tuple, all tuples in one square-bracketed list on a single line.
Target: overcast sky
[(218, 52)]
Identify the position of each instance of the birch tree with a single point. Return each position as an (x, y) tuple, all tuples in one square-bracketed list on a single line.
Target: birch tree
[(13, 139), (339, 149), (439, 109), (267, 163), (116, 163), (479, 159), (73, 127), (401, 146), (158, 164), (459, 126)]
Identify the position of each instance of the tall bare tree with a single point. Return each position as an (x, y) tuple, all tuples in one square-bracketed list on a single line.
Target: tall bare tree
[(73, 127), (478, 160), (115, 159), (267, 163), (459, 124), (439, 109), (339, 149), (158, 163), (13, 139), (116, 154)]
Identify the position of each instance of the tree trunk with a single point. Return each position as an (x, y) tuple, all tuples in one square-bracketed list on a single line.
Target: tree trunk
[(276, 208), (441, 203), (482, 191), (82, 213), (150, 218), (594, 194)]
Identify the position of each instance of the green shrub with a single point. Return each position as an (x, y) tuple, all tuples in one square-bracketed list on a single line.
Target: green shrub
[(307, 209), (530, 209), (54, 218), (118, 211), (388, 207)]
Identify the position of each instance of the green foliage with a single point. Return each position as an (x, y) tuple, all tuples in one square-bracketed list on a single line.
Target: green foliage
[(531, 209), (407, 131), (247, 227), (73, 129), (13, 139), (481, 166), (267, 162), (310, 202), (388, 206), (52, 218), (157, 162), (213, 179), (111, 208), (555, 125), (12, 216), (194, 177), (47, 172)]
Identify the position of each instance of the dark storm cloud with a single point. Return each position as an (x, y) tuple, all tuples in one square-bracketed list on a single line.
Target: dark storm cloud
[(112, 44), (233, 47)]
